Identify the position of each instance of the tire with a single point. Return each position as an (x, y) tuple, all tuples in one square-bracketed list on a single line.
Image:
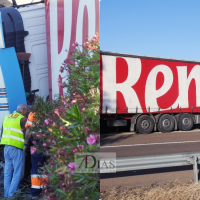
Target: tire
[(145, 124), (186, 122), (166, 123)]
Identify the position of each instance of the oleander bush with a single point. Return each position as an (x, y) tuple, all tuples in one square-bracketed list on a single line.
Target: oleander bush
[(71, 124)]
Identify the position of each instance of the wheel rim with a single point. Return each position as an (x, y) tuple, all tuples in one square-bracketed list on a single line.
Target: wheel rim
[(145, 124), (186, 121), (166, 123)]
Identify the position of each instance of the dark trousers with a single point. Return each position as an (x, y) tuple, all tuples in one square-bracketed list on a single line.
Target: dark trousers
[(37, 161)]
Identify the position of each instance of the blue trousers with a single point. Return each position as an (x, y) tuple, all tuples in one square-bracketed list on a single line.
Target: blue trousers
[(37, 161), (13, 171)]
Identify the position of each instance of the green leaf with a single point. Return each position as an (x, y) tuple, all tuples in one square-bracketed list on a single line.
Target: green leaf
[(59, 190), (80, 180)]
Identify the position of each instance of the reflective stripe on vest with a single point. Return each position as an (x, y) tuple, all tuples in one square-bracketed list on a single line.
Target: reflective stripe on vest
[(12, 134), (13, 137), (13, 129)]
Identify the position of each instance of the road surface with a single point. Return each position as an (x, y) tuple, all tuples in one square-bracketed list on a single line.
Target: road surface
[(129, 144)]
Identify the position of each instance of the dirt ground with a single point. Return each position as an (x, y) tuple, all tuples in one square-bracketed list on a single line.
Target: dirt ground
[(19, 196)]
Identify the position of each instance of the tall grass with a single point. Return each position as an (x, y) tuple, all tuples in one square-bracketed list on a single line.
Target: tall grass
[(170, 191)]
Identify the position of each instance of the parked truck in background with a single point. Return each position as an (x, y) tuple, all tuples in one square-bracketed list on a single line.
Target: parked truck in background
[(149, 93)]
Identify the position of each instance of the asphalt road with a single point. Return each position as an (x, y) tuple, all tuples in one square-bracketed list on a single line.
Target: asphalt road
[(128, 144)]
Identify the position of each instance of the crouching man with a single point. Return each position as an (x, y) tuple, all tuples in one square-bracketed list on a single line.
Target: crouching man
[(37, 161)]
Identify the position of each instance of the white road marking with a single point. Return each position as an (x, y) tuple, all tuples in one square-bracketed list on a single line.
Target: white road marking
[(133, 145), (134, 133)]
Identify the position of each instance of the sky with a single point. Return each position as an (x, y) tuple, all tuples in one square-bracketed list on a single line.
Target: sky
[(163, 28)]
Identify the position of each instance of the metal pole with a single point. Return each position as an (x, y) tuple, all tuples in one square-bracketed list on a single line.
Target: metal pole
[(195, 168)]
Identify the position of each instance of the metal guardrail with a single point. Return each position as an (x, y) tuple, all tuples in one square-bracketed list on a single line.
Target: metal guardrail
[(160, 161)]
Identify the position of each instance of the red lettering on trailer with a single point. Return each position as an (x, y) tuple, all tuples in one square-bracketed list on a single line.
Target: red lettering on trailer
[(67, 21), (145, 85)]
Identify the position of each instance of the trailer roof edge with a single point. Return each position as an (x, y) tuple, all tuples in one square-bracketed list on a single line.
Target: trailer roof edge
[(144, 56)]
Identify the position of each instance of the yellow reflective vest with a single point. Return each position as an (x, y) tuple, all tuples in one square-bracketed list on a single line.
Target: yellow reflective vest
[(12, 134)]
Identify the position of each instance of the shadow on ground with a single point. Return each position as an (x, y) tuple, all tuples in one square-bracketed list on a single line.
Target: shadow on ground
[(145, 172), (109, 139)]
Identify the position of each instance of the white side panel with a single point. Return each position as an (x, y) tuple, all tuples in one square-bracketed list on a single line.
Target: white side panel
[(57, 59), (3, 100), (35, 43)]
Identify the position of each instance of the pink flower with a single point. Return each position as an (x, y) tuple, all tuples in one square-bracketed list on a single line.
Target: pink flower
[(80, 146), (47, 121), (34, 142), (75, 44), (91, 139), (72, 166), (83, 109), (74, 101), (55, 155), (85, 197), (38, 136), (33, 150), (75, 150), (65, 103), (98, 137), (87, 130), (44, 144)]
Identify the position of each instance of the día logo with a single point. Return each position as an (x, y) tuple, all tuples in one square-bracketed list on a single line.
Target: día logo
[(95, 162)]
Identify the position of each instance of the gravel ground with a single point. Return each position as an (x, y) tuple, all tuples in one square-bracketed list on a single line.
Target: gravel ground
[(20, 196)]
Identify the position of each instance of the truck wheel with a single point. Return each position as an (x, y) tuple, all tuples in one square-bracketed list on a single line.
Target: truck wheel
[(144, 124), (166, 123), (186, 122)]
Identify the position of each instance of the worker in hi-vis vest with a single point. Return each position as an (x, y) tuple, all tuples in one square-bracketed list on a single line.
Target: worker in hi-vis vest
[(37, 161), (14, 140)]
